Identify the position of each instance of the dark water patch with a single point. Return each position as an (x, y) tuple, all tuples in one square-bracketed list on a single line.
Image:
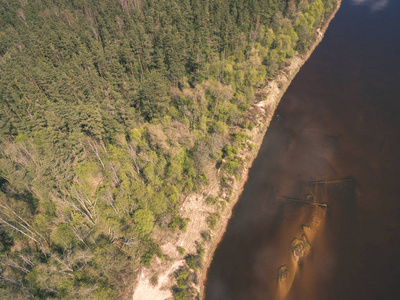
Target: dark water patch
[(340, 118)]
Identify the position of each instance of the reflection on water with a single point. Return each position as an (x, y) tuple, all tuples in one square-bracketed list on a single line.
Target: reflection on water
[(375, 5), (339, 119)]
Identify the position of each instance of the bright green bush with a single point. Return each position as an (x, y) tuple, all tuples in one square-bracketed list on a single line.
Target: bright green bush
[(144, 220)]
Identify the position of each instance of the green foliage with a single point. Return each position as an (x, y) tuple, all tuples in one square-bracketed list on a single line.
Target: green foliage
[(211, 200), (153, 96), (248, 125), (232, 167), (144, 220), (63, 236), (181, 250), (219, 127), (230, 152), (111, 113), (178, 222), (182, 277), (231, 164), (183, 290), (6, 241), (240, 137), (200, 250), (212, 220), (146, 259), (194, 261), (206, 236)]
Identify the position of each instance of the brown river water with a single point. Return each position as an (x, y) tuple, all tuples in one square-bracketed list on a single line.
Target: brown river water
[(335, 139)]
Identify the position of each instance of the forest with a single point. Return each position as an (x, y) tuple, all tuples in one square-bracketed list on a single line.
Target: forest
[(111, 111)]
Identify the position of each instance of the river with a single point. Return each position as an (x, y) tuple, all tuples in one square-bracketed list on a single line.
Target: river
[(335, 139)]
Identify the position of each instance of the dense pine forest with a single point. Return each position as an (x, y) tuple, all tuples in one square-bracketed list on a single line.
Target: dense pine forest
[(110, 113)]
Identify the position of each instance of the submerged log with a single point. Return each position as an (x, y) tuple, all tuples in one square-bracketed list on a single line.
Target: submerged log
[(304, 201), (330, 181)]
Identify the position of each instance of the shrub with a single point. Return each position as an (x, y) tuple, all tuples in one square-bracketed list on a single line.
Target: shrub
[(194, 261), (183, 291), (211, 200), (200, 250), (219, 127), (232, 167), (206, 236), (144, 221), (240, 137), (178, 222), (212, 220), (230, 151), (146, 259)]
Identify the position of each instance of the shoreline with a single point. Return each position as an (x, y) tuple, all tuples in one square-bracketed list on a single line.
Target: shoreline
[(290, 71), (194, 207)]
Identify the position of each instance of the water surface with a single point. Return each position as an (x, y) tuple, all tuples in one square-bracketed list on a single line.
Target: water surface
[(339, 119)]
